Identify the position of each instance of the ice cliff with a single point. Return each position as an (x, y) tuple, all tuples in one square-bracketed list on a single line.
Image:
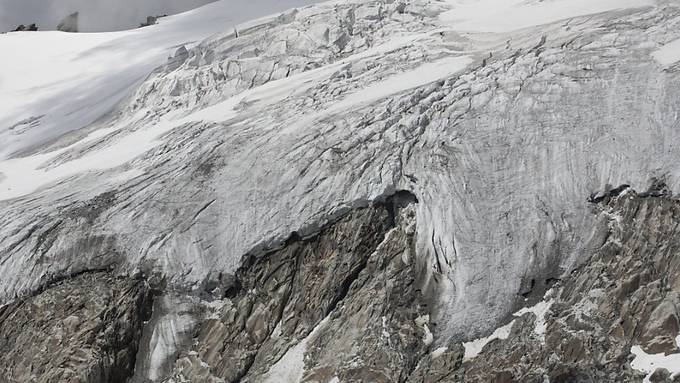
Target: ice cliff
[(348, 191)]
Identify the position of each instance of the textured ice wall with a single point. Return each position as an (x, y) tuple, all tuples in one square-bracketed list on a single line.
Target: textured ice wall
[(304, 119)]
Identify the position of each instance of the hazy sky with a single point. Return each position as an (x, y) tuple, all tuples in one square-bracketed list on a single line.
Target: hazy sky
[(95, 15)]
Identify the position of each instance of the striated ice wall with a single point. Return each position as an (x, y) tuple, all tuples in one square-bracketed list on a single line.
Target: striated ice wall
[(237, 142)]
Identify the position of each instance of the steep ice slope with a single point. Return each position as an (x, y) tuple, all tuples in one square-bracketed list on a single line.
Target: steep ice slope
[(500, 133)]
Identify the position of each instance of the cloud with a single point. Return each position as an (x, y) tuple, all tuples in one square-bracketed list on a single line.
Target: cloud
[(95, 15)]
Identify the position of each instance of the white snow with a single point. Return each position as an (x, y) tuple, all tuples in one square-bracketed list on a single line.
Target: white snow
[(24, 175), (290, 367), (422, 321), (648, 363), (508, 15), (668, 54), (421, 75), (385, 333), (428, 337), (438, 352), (261, 175), (474, 347), (277, 331), (68, 77)]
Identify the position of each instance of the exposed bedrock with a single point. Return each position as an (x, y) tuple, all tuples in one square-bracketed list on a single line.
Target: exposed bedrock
[(346, 302), (84, 329), (351, 302)]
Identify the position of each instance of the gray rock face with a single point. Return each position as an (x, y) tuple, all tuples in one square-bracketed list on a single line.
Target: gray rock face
[(343, 303), (26, 28), (69, 23), (84, 329)]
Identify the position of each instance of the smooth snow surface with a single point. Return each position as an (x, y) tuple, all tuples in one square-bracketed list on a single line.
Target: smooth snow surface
[(53, 82), (648, 363), (668, 54), (419, 76), (504, 16)]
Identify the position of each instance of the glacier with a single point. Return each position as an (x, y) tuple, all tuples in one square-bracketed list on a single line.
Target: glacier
[(180, 148)]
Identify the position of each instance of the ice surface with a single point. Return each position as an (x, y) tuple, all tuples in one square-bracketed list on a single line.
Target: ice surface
[(668, 54), (24, 175), (169, 332)]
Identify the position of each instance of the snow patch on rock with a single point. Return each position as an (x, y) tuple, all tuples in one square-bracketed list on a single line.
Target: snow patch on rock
[(290, 367), (474, 347), (539, 310), (648, 363), (438, 352)]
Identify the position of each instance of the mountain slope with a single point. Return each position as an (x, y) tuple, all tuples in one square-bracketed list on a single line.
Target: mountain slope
[(487, 124)]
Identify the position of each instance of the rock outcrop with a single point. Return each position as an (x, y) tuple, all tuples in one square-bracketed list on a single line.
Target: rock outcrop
[(84, 329), (69, 23), (151, 20), (24, 28), (345, 304)]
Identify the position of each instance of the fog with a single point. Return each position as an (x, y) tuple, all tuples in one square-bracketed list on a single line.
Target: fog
[(95, 15)]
